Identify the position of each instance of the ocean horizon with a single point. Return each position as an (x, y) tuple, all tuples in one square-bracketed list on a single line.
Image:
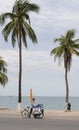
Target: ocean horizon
[(49, 103)]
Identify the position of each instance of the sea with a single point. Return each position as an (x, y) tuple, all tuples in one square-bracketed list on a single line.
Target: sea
[(49, 103)]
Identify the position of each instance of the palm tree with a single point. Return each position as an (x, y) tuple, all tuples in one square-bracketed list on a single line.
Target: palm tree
[(3, 71), (66, 48), (19, 27)]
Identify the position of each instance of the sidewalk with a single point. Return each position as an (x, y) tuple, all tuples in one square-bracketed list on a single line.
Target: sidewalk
[(47, 113)]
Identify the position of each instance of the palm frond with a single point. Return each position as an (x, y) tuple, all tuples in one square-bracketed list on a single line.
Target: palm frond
[(26, 16), (73, 51), (7, 29), (75, 46), (25, 6), (14, 37), (3, 65), (3, 79), (24, 37), (30, 32), (70, 35), (3, 71), (57, 52), (5, 16), (61, 40), (31, 7)]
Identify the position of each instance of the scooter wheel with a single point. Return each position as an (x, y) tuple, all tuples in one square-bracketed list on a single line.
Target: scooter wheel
[(38, 115), (24, 113), (41, 115)]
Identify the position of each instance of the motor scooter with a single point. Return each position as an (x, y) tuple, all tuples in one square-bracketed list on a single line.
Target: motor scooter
[(37, 112)]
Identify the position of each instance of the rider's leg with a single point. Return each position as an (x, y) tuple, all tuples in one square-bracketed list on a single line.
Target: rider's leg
[(31, 109)]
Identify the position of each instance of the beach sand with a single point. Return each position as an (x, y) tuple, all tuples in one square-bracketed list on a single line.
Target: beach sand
[(47, 113), (61, 113)]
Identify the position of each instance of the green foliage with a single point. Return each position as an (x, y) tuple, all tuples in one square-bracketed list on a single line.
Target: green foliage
[(3, 72), (19, 22), (67, 46)]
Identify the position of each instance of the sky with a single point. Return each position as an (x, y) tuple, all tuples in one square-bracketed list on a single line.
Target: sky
[(40, 72)]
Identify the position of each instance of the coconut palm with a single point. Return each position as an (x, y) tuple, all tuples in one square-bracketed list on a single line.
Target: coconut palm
[(3, 71), (19, 27), (68, 46)]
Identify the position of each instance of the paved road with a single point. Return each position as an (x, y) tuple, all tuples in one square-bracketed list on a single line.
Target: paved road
[(54, 123)]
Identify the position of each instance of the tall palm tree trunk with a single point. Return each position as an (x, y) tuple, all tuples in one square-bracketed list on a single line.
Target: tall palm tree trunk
[(67, 90), (20, 73)]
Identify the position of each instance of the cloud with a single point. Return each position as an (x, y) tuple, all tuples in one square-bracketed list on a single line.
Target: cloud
[(40, 72), (6, 6)]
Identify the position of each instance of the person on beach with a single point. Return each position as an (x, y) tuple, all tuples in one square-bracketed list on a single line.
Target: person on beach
[(69, 106)]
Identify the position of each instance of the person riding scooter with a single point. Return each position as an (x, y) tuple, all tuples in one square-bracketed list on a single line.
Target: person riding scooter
[(32, 105)]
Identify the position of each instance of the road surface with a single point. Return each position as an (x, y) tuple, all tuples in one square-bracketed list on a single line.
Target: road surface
[(53, 123)]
